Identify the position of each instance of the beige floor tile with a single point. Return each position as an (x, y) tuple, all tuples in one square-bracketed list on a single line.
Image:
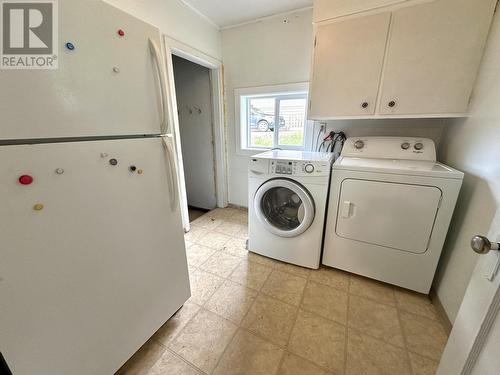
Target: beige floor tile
[(203, 340), (215, 240), (198, 254), (221, 264), (237, 247), (294, 270), (375, 290), (331, 276), (319, 340), (243, 233), (422, 366), (221, 213), (195, 233), (271, 319), (366, 355), (328, 302), (285, 287), (416, 303), (208, 221), (143, 360), (293, 365), (249, 355), (232, 301), (175, 324), (375, 319), (424, 336), (203, 285), (169, 364), (231, 228), (252, 275), (257, 258)]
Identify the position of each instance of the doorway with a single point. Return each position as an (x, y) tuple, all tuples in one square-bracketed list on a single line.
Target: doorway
[(194, 108), (196, 112)]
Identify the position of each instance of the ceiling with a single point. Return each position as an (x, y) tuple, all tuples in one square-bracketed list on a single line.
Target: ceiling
[(226, 13)]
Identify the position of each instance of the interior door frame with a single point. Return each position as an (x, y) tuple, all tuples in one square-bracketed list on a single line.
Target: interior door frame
[(174, 47)]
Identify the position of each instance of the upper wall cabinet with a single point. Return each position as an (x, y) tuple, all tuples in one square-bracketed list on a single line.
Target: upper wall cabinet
[(347, 83), (328, 9), (416, 61), (433, 57)]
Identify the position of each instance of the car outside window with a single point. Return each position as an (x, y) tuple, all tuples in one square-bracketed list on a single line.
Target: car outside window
[(273, 121)]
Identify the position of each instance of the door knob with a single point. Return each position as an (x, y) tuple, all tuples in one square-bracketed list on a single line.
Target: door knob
[(482, 245)]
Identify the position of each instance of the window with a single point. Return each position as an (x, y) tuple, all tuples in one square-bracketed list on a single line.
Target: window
[(272, 117)]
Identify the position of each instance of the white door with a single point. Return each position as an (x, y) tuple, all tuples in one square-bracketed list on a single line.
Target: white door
[(433, 56), (473, 345), (86, 96), (388, 214), (284, 207), (347, 64), (92, 257)]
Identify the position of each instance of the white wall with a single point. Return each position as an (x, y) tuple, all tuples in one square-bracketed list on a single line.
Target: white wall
[(473, 146), (194, 105), (177, 21), (272, 52), (268, 52)]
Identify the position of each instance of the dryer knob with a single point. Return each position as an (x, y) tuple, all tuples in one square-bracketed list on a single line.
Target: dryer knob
[(359, 144), (309, 168), (419, 146)]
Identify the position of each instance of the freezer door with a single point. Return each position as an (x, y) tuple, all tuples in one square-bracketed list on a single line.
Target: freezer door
[(107, 85), (393, 215), (92, 256)]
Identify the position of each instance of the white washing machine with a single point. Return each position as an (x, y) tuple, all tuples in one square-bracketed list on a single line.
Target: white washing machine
[(390, 207), (288, 192)]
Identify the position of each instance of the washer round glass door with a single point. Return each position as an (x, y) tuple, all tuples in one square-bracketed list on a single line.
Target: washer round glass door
[(284, 207)]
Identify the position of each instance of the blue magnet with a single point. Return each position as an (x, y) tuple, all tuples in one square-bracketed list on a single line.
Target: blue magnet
[(70, 46)]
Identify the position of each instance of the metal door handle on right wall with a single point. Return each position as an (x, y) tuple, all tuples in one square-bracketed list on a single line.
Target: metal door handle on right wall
[(483, 245)]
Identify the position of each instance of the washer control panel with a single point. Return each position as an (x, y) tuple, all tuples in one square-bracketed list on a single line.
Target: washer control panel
[(299, 168)]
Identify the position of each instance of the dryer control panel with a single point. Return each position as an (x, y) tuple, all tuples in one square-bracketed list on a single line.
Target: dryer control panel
[(299, 168)]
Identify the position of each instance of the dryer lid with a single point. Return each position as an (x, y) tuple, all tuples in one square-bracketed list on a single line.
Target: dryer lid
[(398, 166)]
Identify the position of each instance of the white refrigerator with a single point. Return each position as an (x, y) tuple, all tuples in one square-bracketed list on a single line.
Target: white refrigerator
[(92, 254)]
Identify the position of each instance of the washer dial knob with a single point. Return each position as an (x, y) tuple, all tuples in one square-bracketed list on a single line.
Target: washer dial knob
[(359, 144), (405, 146), (419, 146), (309, 168)]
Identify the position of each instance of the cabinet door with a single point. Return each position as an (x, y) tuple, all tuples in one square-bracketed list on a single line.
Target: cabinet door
[(433, 56), (348, 58), (328, 9)]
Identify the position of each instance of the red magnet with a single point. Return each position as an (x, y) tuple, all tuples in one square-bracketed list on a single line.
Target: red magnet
[(121, 32), (25, 180)]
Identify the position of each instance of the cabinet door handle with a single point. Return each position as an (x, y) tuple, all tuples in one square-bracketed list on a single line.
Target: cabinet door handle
[(392, 104), (364, 105)]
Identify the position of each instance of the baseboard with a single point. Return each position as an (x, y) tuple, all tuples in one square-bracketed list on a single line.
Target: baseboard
[(230, 205), (441, 311)]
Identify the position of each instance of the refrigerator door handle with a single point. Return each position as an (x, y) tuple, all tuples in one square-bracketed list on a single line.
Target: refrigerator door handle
[(166, 140), (163, 91)]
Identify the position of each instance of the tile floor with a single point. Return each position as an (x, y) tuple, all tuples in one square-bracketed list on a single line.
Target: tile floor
[(252, 315)]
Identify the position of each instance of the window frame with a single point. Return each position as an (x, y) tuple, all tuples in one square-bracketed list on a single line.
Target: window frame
[(279, 92)]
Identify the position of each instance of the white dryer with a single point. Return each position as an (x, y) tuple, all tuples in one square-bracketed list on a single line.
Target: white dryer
[(288, 192), (390, 207)]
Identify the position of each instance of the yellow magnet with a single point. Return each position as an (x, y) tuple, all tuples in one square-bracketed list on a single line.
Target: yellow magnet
[(140, 171), (38, 207)]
